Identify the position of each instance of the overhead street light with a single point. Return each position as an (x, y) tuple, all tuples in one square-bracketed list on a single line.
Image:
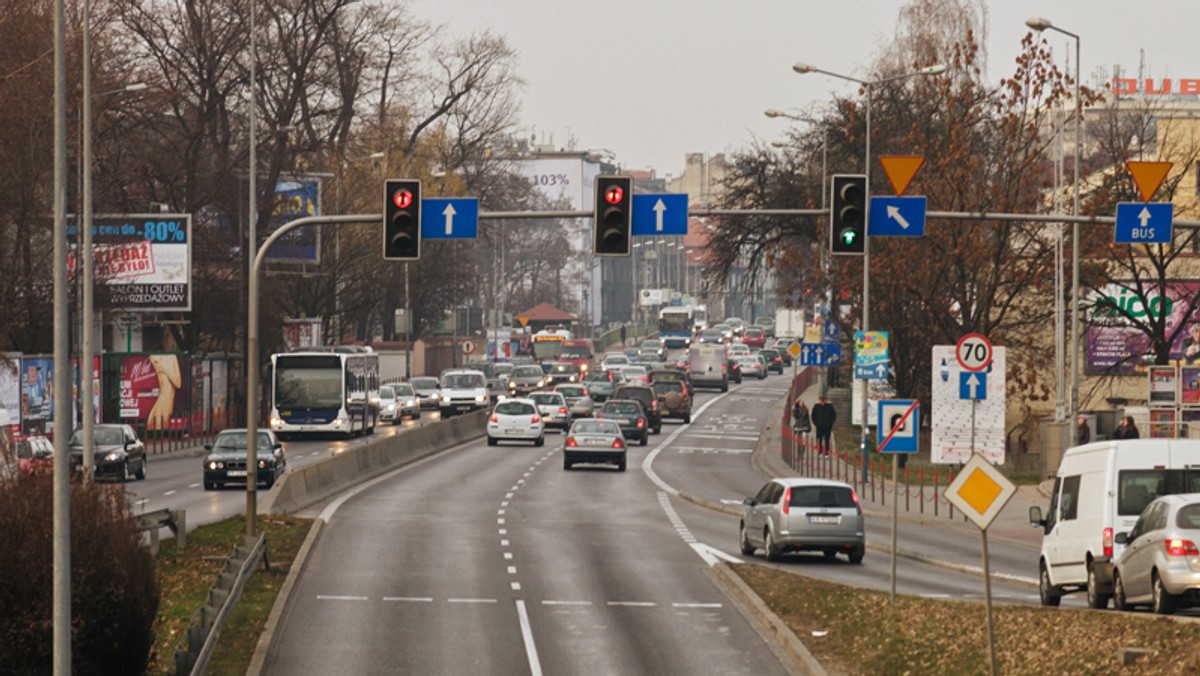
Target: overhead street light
[(1040, 24), (868, 85)]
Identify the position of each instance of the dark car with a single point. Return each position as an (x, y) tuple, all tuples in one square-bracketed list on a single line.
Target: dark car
[(644, 395), (735, 370), (117, 453), (674, 399), (774, 360), (225, 462), (629, 415), (601, 383), (563, 373)]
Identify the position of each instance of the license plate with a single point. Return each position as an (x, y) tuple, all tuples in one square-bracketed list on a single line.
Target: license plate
[(817, 518), (463, 408), (512, 432), (236, 472)]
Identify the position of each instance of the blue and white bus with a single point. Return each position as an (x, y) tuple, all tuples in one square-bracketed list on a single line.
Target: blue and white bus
[(675, 324), (319, 391)]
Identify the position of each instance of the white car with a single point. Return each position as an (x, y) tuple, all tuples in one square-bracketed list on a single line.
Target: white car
[(752, 367), (554, 409), (516, 420), (614, 360)]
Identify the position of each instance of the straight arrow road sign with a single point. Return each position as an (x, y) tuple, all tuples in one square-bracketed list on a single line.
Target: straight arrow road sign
[(444, 218), (1144, 222), (664, 214), (972, 385)]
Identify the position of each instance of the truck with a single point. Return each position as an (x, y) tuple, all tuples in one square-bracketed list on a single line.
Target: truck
[(789, 323)]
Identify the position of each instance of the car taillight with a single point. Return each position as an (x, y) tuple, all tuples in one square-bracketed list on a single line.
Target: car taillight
[(857, 504), (1107, 539), (618, 444), (494, 418), (535, 419), (571, 442), (641, 422), (1177, 547), (562, 410), (787, 501), (654, 405)]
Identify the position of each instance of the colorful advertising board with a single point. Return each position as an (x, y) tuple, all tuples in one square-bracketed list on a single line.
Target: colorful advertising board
[(1114, 345), (142, 262), (154, 391), (1164, 383), (37, 395), (1189, 385), (295, 198)]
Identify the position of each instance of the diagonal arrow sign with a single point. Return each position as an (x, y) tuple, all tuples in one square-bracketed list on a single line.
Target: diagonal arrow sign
[(449, 213), (893, 213)]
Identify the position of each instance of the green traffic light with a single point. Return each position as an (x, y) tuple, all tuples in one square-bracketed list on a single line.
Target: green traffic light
[(848, 237)]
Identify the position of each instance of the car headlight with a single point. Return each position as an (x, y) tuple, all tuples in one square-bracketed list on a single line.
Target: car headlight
[(112, 457), (410, 403), (262, 464), (445, 399), (275, 422), (213, 464), (390, 408), (481, 397)]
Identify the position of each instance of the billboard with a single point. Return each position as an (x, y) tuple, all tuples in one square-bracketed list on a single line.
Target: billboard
[(1113, 345), (154, 391), (142, 262), (295, 198)]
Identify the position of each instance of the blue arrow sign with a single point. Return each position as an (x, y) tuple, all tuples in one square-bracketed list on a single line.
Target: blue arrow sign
[(660, 214), (831, 331), (972, 385), (897, 217), (873, 372), (443, 218), (820, 354), (1144, 222)]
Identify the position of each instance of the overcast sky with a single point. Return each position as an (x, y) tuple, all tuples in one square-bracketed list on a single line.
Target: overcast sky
[(696, 75)]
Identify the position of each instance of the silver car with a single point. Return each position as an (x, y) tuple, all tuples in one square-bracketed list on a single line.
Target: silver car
[(553, 407), (579, 401), (752, 367), (1160, 564), (802, 514), (525, 379), (594, 441), (428, 389)]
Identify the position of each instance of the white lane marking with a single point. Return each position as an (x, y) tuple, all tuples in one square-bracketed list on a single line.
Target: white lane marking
[(500, 512), (504, 504), (314, 453), (512, 570), (535, 665), (711, 555), (503, 543), (566, 603), (409, 599), (935, 596), (646, 464), (633, 604), (516, 586), (196, 485), (508, 556), (500, 522), (168, 493), (680, 527), (322, 597), (734, 437), (471, 600), (508, 495), (696, 605), (709, 450)]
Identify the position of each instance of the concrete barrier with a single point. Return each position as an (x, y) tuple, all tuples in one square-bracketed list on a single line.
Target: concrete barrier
[(308, 486)]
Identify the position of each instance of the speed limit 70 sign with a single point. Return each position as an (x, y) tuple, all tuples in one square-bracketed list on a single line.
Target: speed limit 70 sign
[(974, 352)]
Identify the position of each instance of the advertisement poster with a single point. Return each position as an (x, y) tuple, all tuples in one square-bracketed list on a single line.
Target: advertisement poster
[(295, 198), (77, 390), (1189, 385), (37, 395), (154, 391), (10, 389), (1162, 423), (305, 332), (1163, 383), (141, 261), (1113, 345)]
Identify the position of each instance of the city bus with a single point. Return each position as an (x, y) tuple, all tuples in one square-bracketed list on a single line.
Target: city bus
[(548, 344), (675, 325), (323, 391), (699, 318)]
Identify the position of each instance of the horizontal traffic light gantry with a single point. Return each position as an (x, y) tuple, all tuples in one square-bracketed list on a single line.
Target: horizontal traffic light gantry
[(848, 215), (402, 220), (613, 220)]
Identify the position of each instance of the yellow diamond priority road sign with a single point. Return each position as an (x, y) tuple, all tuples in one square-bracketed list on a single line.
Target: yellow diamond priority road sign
[(980, 491)]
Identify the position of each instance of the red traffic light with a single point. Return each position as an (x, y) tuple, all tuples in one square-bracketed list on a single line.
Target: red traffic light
[(614, 194), (402, 199)]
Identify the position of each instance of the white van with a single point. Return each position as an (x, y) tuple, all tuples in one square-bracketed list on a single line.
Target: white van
[(462, 391), (1099, 491), (708, 366)]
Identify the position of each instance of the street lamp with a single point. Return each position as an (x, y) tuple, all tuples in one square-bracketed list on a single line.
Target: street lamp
[(869, 85), (1040, 24)]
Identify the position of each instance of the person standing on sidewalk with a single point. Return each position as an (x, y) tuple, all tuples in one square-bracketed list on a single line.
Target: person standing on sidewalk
[(1083, 433), (801, 422), (824, 415), (1127, 429), (622, 335)]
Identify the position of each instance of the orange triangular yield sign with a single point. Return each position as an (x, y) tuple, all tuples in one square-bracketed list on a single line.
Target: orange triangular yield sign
[(1148, 176), (900, 170), (523, 319)]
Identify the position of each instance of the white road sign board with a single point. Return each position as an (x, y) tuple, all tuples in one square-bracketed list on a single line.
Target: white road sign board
[(950, 418)]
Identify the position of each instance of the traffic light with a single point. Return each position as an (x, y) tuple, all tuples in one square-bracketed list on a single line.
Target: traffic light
[(402, 220), (848, 215), (612, 226)]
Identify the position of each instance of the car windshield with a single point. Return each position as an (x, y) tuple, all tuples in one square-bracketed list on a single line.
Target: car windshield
[(103, 436), (667, 387), (386, 392), (548, 398), (425, 383), (634, 371), (748, 361), (527, 372), (463, 380), (622, 407), (236, 441), (651, 344), (616, 359), (514, 408), (595, 427), (504, 369), (592, 377), (822, 496), (570, 391), (402, 390)]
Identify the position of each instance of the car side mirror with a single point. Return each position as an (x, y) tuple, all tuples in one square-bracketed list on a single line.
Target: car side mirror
[(208, 447), (1122, 538), (1035, 516), (749, 502)]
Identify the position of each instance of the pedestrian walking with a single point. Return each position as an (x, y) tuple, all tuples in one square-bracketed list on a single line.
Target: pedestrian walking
[(622, 335), (1083, 433), (801, 421), (1127, 429), (823, 417)]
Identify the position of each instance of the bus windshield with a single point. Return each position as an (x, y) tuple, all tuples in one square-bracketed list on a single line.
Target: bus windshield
[(675, 322), (308, 385), (547, 350)]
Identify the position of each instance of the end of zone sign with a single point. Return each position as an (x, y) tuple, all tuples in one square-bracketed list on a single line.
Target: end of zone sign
[(898, 423)]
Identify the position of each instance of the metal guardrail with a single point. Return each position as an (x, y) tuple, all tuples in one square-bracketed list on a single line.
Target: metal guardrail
[(205, 626), (175, 519)]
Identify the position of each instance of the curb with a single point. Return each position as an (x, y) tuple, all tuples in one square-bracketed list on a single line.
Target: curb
[(791, 651), (259, 659)]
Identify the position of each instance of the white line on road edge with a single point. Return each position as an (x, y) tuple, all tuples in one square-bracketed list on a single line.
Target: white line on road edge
[(410, 599), (646, 464), (633, 604), (322, 597), (566, 603), (711, 555), (535, 666), (696, 605), (470, 600)]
